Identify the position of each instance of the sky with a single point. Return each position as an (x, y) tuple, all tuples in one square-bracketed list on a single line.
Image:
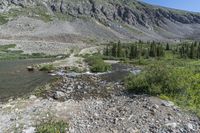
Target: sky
[(189, 5)]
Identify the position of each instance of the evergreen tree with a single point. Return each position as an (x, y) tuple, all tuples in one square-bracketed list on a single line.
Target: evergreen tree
[(133, 51), (114, 50), (192, 51), (167, 46), (119, 49), (182, 52), (152, 51), (198, 51), (127, 52), (140, 42), (187, 51), (146, 53), (107, 50)]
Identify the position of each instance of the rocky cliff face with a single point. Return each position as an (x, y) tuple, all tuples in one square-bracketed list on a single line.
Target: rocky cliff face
[(131, 18)]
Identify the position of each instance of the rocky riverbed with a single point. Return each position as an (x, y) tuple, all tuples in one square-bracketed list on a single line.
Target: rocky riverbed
[(91, 104)]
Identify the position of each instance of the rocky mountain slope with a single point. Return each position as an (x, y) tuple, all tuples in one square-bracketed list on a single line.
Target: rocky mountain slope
[(110, 19)]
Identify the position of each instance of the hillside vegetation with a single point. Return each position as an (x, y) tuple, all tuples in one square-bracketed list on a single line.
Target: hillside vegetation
[(169, 71)]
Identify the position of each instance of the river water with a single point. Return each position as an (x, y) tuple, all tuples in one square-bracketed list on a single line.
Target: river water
[(119, 72), (15, 80)]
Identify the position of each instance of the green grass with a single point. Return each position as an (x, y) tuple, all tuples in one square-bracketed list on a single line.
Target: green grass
[(3, 19), (47, 67), (7, 54), (52, 127), (63, 17)]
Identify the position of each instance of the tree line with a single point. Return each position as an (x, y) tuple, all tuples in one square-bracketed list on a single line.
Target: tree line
[(191, 50), (139, 49), (134, 50)]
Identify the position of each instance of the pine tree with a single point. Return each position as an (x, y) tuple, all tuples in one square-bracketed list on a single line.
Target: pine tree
[(167, 46), (127, 53), (140, 42), (114, 50), (107, 50), (181, 51), (192, 51), (119, 49), (152, 51), (146, 53), (198, 51), (133, 51), (187, 51)]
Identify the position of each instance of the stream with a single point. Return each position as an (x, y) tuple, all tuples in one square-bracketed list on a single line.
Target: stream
[(118, 73), (15, 80)]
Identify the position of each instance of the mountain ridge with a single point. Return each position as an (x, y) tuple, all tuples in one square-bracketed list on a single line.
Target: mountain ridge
[(134, 19)]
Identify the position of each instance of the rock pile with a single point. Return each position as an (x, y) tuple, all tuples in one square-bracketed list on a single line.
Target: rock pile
[(105, 107), (84, 87), (132, 114)]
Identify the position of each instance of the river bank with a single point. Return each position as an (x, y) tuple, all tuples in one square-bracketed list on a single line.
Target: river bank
[(92, 104)]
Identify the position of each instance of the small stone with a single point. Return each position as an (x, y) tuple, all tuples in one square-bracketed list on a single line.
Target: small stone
[(170, 118), (30, 68), (10, 100), (190, 126), (32, 97), (172, 125), (17, 125), (156, 106), (59, 95), (79, 87), (167, 103), (131, 130), (12, 119), (51, 71), (29, 130)]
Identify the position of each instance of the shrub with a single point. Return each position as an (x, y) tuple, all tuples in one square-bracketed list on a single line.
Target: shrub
[(52, 127), (97, 64), (160, 79), (47, 67), (179, 84), (137, 83)]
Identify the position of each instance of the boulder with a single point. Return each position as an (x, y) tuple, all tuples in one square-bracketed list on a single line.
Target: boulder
[(30, 68)]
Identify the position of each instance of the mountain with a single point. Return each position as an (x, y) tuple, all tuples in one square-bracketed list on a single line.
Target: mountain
[(100, 19)]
